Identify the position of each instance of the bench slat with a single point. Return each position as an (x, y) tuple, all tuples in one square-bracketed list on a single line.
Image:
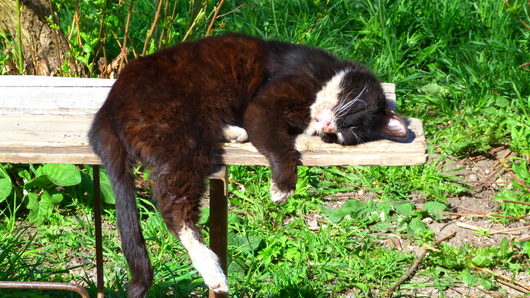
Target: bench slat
[(46, 119)]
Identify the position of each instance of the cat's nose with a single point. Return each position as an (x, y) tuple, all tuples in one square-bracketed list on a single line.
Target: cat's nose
[(328, 127)]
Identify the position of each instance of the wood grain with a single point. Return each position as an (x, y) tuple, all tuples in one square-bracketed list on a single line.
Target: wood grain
[(46, 119)]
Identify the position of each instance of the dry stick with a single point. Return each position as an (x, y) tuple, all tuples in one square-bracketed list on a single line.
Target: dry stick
[(416, 264), (214, 17), (514, 176), (504, 280), (515, 202), (102, 40), (163, 31), (153, 26), (78, 27), (519, 19), (57, 21), (486, 214), (513, 286), (72, 26), (233, 10), (195, 21), (524, 66), (523, 239), (505, 231), (126, 32)]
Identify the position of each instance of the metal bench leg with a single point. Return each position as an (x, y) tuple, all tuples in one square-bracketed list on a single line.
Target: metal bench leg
[(219, 218), (97, 230), (40, 285), (99, 257)]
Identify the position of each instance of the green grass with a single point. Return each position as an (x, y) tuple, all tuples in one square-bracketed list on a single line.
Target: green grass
[(456, 65)]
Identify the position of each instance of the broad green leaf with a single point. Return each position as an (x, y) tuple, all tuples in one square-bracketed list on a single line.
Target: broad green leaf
[(5, 188), (106, 188), (468, 278), (435, 89), (5, 184), (39, 181), (62, 174), (404, 209), (488, 285), (33, 206), (526, 248), (435, 209), (416, 226), (251, 244), (236, 268), (502, 102)]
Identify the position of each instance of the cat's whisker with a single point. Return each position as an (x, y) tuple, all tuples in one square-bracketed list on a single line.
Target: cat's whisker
[(357, 138), (341, 109)]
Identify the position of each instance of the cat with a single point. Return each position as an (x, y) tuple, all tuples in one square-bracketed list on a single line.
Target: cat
[(168, 111)]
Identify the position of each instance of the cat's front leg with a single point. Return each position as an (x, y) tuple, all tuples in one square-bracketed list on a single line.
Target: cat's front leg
[(235, 134), (269, 134)]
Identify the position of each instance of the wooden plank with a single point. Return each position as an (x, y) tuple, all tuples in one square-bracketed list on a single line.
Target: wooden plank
[(62, 139), (46, 120), (37, 95)]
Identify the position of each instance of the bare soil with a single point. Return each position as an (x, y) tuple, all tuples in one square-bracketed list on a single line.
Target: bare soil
[(473, 217)]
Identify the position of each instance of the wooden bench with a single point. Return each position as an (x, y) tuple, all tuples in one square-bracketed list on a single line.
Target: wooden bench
[(46, 119)]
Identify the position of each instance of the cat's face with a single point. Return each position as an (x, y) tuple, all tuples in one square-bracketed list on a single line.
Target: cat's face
[(351, 109)]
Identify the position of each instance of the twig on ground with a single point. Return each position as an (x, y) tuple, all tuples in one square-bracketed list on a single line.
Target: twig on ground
[(507, 281), (341, 196), (470, 226), (512, 230), (478, 213), (416, 264), (515, 202), (513, 286), (523, 239), (505, 231)]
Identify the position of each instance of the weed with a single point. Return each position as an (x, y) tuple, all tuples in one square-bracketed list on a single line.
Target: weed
[(457, 67)]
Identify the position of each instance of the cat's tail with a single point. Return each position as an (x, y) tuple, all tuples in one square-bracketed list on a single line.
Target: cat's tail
[(107, 145)]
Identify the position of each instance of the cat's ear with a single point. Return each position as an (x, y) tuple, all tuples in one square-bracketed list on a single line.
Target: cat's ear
[(395, 126)]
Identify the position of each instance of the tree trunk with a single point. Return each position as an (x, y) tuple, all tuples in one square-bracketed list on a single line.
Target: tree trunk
[(44, 49)]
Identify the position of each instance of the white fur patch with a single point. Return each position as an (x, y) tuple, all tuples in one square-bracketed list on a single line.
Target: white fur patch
[(235, 134), (279, 196), (204, 260), (327, 98), (340, 138)]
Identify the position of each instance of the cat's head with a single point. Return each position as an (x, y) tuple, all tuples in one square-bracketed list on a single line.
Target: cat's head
[(351, 108)]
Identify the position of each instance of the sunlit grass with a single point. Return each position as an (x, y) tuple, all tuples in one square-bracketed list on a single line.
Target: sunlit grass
[(456, 65)]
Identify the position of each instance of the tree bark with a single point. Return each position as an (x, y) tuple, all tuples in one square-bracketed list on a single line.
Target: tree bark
[(44, 49)]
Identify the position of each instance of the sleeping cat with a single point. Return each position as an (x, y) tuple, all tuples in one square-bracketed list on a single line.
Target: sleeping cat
[(168, 111)]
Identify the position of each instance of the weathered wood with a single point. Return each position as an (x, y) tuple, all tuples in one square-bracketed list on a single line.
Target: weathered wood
[(46, 119)]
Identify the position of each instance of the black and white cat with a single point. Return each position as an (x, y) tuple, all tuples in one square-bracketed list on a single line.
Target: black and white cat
[(168, 111)]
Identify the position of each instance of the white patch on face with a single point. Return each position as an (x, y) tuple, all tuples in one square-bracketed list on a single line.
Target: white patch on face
[(279, 196), (204, 260), (322, 117)]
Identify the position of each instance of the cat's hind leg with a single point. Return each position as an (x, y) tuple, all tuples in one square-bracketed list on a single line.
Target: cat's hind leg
[(179, 189)]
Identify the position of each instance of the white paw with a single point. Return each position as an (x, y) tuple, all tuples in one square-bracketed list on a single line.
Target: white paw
[(279, 196), (216, 280), (235, 134), (204, 260)]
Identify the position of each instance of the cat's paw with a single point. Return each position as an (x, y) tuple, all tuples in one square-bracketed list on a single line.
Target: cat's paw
[(216, 281), (235, 134), (278, 195)]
